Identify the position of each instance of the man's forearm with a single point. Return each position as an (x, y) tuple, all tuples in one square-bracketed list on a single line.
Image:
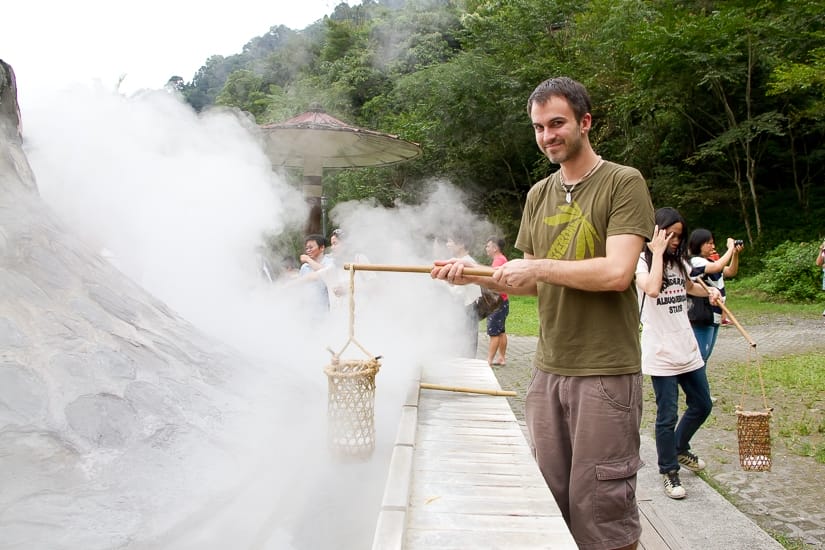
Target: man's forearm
[(593, 274), (492, 284)]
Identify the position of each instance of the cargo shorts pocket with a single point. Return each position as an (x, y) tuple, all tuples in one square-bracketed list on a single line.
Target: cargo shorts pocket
[(615, 495)]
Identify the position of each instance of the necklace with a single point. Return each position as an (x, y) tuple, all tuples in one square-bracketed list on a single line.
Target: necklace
[(568, 189)]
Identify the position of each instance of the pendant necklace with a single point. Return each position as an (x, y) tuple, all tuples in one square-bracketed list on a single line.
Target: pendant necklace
[(568, 189)]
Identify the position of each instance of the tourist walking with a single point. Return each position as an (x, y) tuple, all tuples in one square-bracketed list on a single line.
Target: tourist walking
[(670, 353)]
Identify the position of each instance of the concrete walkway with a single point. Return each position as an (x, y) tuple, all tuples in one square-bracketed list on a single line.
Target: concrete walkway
[(461, 474)]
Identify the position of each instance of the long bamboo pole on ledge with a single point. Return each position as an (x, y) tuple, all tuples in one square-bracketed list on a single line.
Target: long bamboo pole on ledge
[(504, 393), (480, 271)]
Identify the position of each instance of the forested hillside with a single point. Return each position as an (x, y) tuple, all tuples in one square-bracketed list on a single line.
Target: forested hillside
[(720, 104)]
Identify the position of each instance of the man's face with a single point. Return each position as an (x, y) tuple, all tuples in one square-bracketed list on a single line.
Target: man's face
[(312, 250), (451, 246), (490, 249), (558, 135)]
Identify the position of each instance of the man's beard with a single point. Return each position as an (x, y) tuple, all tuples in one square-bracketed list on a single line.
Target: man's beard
[(572, 149)]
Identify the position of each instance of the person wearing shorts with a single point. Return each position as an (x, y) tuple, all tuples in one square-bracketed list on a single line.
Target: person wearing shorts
[(496, 328), (581, 232)]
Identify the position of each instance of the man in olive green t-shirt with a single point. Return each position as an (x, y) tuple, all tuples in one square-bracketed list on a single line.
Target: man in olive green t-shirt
[(581, 233)]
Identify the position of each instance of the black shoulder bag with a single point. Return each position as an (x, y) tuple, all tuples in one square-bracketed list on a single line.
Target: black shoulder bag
[(487, 303), (700, 312)]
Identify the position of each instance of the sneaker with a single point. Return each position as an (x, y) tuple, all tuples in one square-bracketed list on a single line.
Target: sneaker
[(690, 461), (673, 486)]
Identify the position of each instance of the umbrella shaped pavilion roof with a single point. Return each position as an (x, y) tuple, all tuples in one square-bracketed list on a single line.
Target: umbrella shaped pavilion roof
[(314, 140)]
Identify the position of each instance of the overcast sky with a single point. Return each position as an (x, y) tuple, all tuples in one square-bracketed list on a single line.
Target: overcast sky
[(52, 43)]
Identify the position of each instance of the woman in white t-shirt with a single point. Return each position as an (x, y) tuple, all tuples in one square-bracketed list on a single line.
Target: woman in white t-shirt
[(670, 354)]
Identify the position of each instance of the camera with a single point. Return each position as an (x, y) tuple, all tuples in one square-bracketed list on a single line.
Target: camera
[(738, 242)]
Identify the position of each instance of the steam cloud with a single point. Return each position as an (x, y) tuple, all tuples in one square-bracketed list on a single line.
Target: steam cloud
[(180, 203)]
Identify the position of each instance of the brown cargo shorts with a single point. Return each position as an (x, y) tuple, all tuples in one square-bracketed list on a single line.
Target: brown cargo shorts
[(584, 434)]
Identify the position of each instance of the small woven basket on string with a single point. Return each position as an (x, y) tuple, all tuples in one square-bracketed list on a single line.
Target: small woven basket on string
[(351, 407), (753, 430)]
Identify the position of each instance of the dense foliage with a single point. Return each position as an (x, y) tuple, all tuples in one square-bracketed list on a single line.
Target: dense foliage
[(789, 272), (720, 104)]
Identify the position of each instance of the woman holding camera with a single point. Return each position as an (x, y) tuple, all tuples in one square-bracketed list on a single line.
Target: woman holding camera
[(702, 249)]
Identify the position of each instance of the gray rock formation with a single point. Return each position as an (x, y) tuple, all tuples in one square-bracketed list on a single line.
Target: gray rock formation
[(116, 415)]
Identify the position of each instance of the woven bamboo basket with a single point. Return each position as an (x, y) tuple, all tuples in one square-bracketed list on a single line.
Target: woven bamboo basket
[(351, 407), (753, 431)]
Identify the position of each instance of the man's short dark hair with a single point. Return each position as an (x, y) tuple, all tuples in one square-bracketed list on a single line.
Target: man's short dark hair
[(319, 240), (463, 238), (498, 241), (573, 91)]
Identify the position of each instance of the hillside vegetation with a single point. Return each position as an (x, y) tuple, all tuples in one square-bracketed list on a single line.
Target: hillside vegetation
[(720, 104)]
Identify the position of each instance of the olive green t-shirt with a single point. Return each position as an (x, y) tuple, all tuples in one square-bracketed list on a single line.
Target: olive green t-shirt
[(585, 333)]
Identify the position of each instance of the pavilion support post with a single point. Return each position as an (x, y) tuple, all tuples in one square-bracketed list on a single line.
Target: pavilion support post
[(312, 195)]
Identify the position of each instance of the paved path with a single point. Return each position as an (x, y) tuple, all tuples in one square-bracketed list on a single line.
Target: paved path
[(785, 501)]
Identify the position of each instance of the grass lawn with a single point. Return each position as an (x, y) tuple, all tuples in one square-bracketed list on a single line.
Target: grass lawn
[(524, 317), (793, 385), (750, 306)]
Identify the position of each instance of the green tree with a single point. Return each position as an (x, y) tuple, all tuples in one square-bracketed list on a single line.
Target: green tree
[(718, 103), (243, 89), (799, 78), (709, 68), (209, 80)]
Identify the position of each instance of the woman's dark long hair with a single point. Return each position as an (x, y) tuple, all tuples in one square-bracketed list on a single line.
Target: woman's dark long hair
[(699, 237), (665, 217)]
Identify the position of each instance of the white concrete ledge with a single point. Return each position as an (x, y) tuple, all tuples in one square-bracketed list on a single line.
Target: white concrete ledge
[(392, 518), (461, 473)]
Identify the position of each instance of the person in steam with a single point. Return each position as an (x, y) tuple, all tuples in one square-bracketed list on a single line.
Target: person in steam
[(313, 262), (581, 232), (458, 245), (338, 279)]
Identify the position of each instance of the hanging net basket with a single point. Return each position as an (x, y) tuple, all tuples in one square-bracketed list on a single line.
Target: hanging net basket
[(753, 428), (351, 407), (351, 399), (754, 433)]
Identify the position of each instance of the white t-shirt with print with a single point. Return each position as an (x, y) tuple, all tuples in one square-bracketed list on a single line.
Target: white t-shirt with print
[(668, 344)]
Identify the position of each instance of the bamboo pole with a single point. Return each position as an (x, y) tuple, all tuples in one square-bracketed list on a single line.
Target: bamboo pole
[(730, 315), (504, 393), (480, 271)]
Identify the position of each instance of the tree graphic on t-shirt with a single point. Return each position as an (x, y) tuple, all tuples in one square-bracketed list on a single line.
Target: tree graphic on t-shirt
[(579, 233)]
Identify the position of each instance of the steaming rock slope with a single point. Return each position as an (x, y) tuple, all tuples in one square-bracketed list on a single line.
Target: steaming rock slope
[(115, 413)]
